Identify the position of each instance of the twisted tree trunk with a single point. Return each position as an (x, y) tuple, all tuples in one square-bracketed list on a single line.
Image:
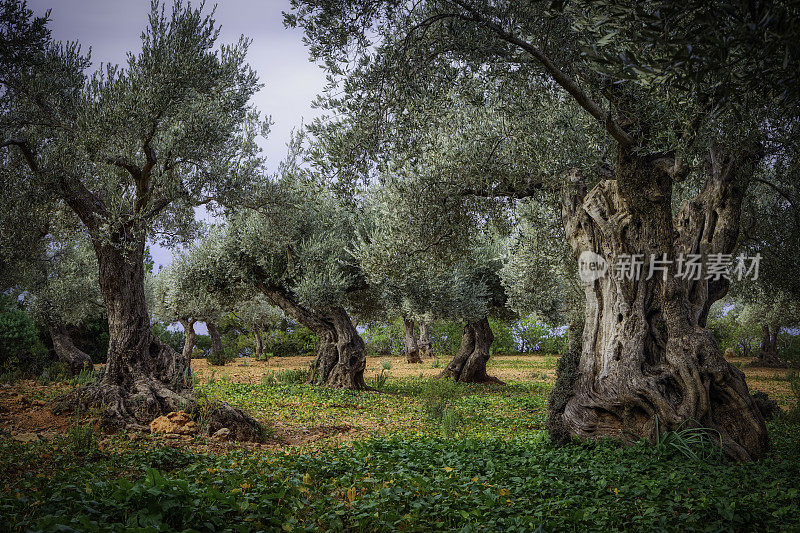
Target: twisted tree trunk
[(768, 351), (259, 341), (341, 356), (66, 351), (646, 353), (412, 350), (469, 363), (425, 346), (189, 341), (144, 378), (216, 338)]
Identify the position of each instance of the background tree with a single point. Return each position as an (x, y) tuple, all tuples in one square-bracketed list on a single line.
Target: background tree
[(171, 299), (295, 251), (130, 151), (65, 295), (440, 266)]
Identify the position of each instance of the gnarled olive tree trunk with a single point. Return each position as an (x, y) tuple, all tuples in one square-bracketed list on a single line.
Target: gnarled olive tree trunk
[(768, 351), (189, 341), (216, 338), (645, 351), (341, 357), (144, 378), (425, 346), (410, 341), (66, 351), (259, 341), (469, 363)]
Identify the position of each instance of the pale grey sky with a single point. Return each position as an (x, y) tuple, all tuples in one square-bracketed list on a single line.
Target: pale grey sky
[(112, 28)]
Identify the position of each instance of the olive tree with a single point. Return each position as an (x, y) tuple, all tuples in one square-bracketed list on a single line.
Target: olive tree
[(295, 251), (130, 150), (444, 265)]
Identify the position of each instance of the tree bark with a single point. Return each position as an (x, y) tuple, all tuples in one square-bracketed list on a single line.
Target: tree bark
[(143, 377), (646, 353), (566, 375), (410, 341), (259, 341), (768, 351), (469, 363), (425, 346), (216, 338), (66, 351), (189, 341), (341, 356)]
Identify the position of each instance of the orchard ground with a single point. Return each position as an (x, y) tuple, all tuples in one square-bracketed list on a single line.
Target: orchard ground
[(421, 454)]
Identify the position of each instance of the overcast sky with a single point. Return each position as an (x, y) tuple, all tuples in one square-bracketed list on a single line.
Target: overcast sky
[(113, 27)]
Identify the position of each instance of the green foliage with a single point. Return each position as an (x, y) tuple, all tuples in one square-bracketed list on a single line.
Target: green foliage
[(382, 338), (386, 364), (92, 336), (56, 372), (173, 339), (793, 414), (537, 337), (285, 377), (504, 342), (439, 396), (401, 483), (731, 333), (789, 347), (379, 381), (202, 342), (695, 443), (82, 439), (296, 340), (566, 374), (21, 349), (87, 376), (222, 357), (445, 337)]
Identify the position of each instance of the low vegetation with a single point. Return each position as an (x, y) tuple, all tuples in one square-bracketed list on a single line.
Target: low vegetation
[(422, 454)]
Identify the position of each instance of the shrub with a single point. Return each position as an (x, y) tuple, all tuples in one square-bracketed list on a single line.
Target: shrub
[(297, 340), (445, 337), (22, 352), (173, 339), (383, 338), (537, 337), (202, 342), (57, 371), (285, 377), (222, 357), (504, 342), (729, 333), (82, 439), (789, 347)]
